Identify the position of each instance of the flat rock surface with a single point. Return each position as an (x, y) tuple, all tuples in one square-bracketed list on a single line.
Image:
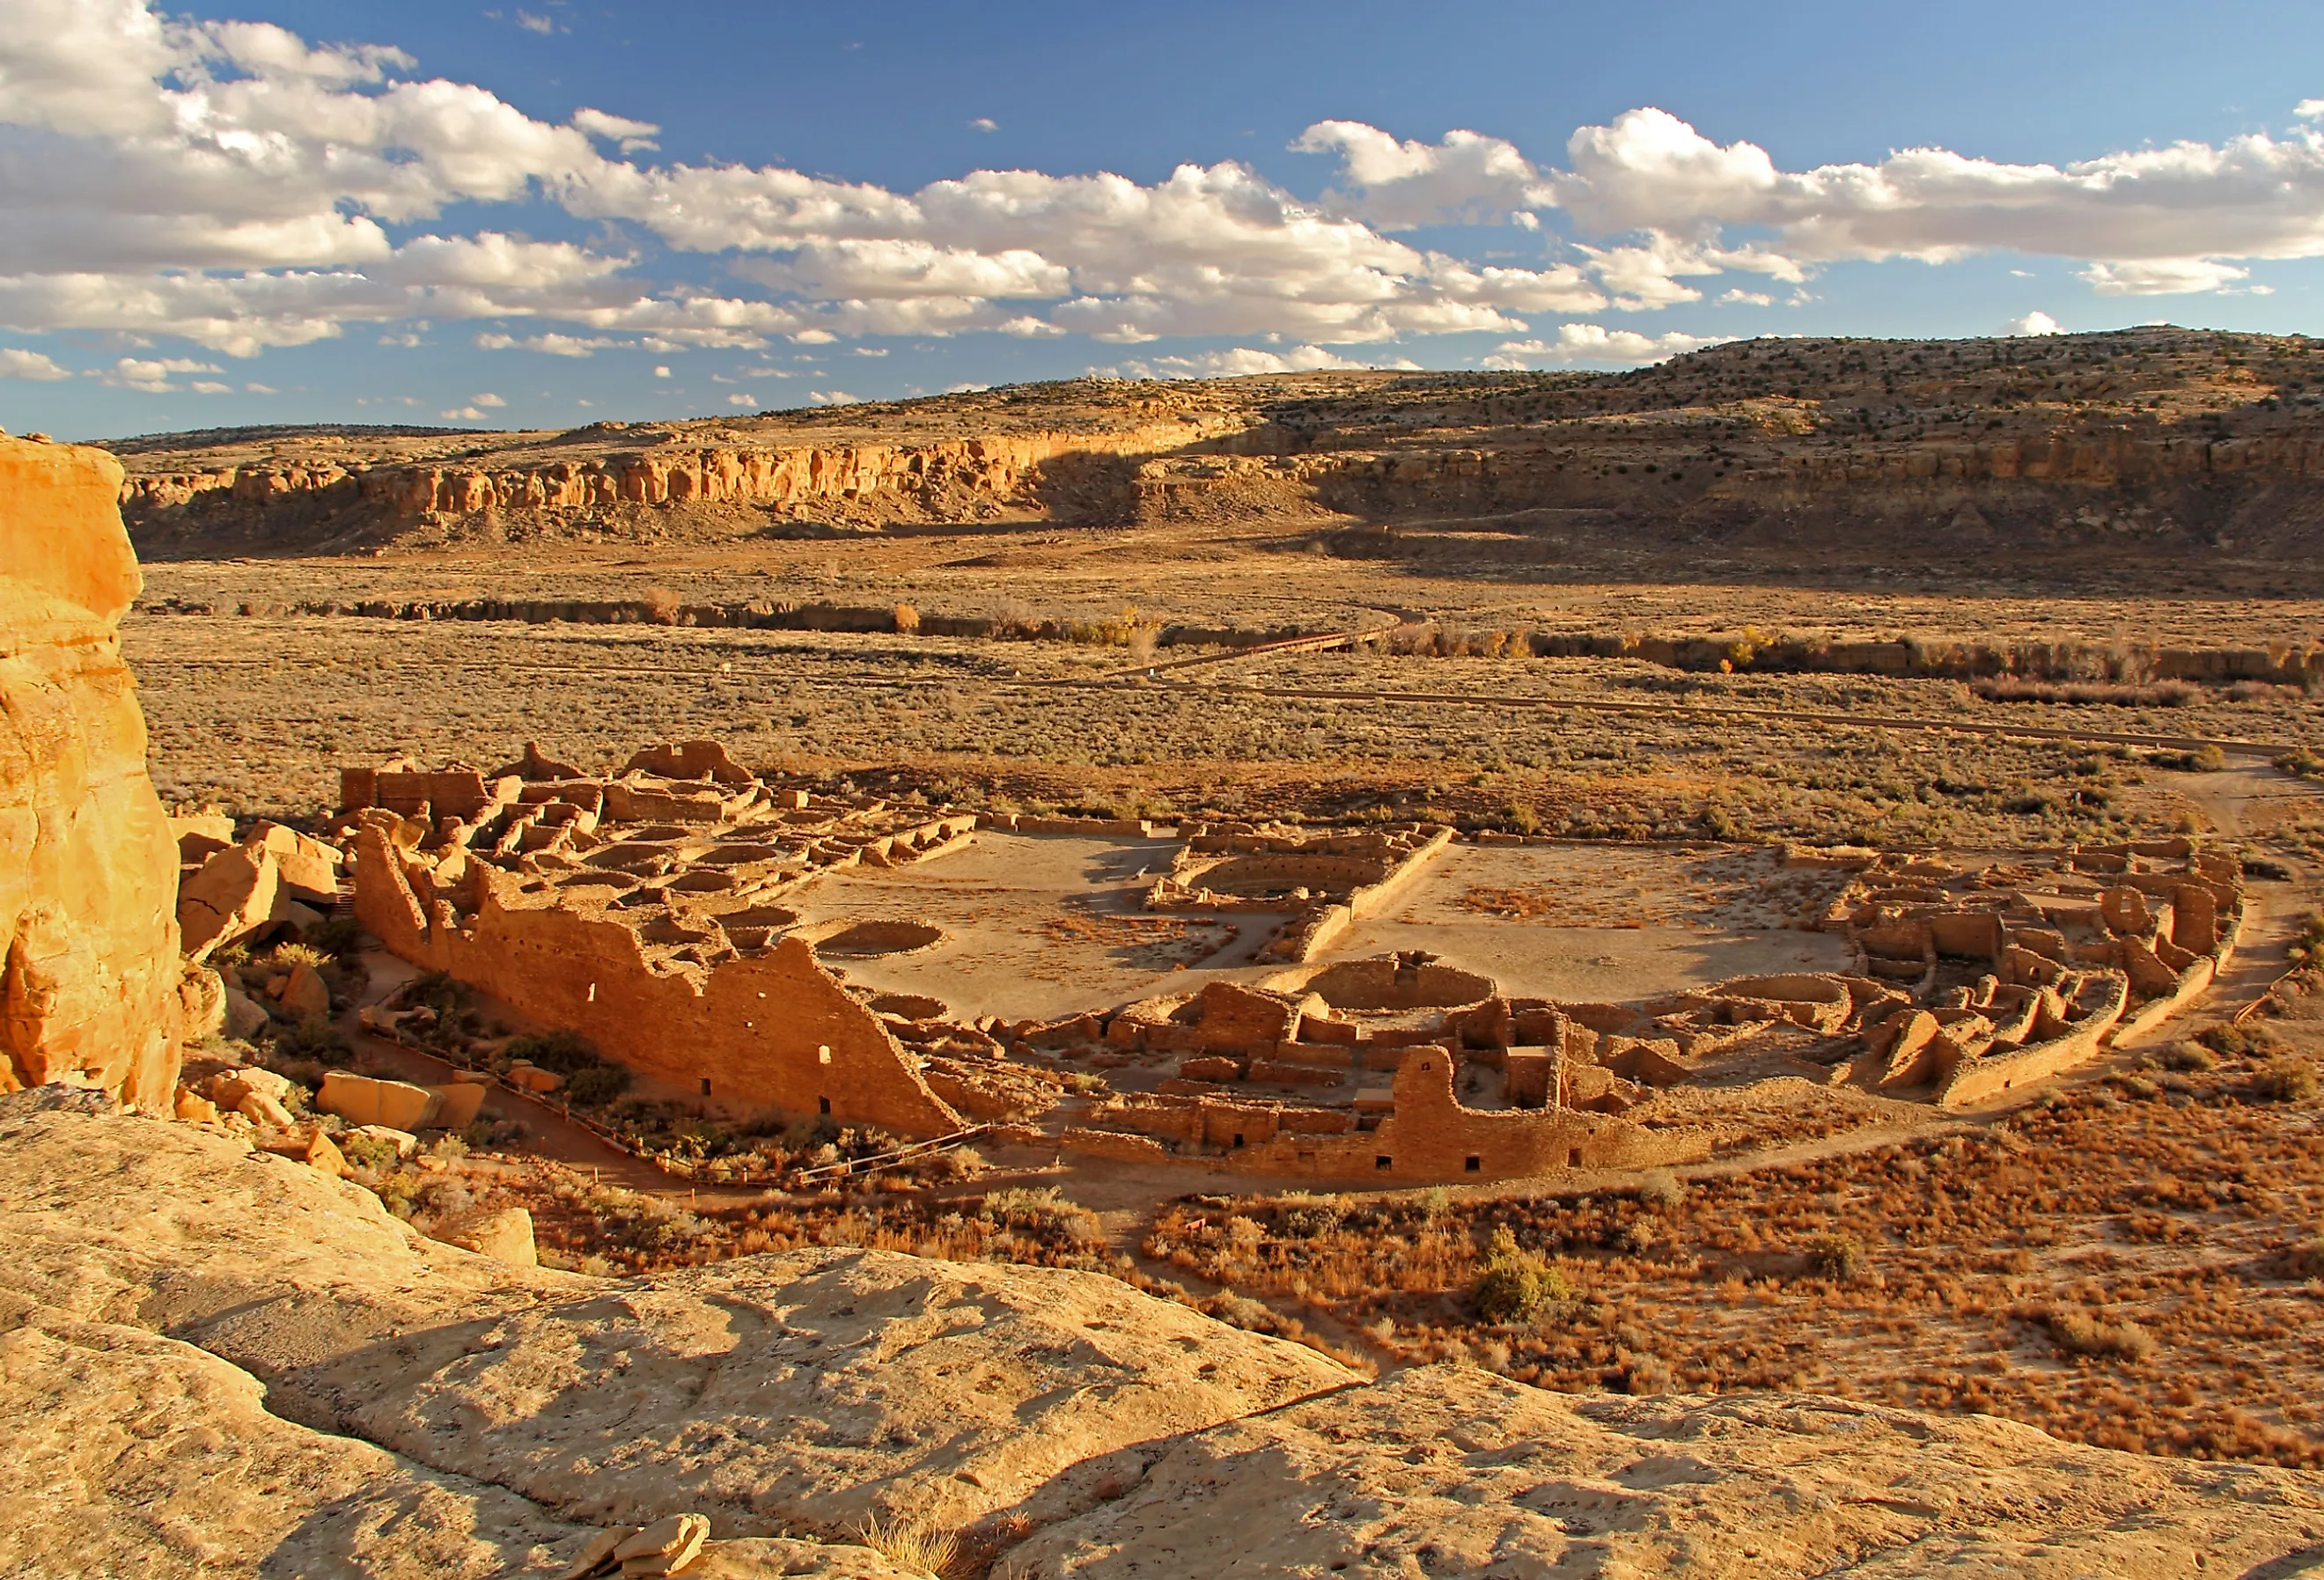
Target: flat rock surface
[(131, 1454), (154, 1268), (818, 1387), (261, 1260), (1457, 1472)]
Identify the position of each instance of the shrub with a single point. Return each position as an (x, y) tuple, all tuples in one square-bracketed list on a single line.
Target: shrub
[(1659, 1187), (565, 1052), (337, 938), (2305, 1260), (376, 1153), (1838, 1257), (597, 1085), (2286, 1080), (313, 1042), (2080, 1333), (1515, 1283), (2186, 1056), (911, 1545)]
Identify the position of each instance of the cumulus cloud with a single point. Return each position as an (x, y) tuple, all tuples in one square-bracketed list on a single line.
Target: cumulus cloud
[(150, 375), (1595, 344), (833, 398), (551, 343), (1403, 185), (742, 399), (2036, 322), (233, 185), (16, 363), (1239, 362), (2146, 221), (487, 401)]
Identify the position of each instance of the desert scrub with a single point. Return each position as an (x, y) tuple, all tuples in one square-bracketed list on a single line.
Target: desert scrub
[(1516, 1284), (2087, 1334), (1838, 1257), (2286, 1079)]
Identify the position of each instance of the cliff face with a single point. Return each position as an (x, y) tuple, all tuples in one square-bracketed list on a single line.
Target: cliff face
[(2171, 439), (89, 972)]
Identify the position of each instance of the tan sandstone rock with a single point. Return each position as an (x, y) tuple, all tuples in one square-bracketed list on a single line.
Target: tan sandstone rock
[(233, 896), (306, 998), (309, 868), (1445, 1472), (1130, 1438), (665, 1547), (128, 1454), (88, 945), (504, 1234)]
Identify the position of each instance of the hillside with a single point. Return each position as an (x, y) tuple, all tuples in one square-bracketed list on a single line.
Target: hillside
[(2160, 444)]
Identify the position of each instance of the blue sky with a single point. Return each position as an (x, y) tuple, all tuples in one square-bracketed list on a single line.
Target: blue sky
[(539, 214)]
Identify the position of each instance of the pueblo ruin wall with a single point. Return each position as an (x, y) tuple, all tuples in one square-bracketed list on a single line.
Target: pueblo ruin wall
[(775, 1028), (90, 979)]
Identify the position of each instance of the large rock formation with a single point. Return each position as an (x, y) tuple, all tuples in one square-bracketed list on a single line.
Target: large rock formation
[(157, 1273), (90, 971)]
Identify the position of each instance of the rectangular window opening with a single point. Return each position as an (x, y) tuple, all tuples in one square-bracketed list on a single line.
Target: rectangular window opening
[(1383, 1162), (823, 1106), (1472, 1164)]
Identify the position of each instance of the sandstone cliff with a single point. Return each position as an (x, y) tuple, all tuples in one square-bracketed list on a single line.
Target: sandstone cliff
[(2153, 442), (89, 972), (158, 1270)]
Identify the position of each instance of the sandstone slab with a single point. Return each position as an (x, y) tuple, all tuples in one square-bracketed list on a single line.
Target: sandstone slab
[(132, 1454), (815, 1388), (1459, 1473)]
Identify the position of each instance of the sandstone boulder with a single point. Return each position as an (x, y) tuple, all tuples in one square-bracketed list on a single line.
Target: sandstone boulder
[(244, 1017), (232, 896), (663, 1548), (306, 998), (366, 1100), (309, 868), (504, 1234), (88, 947)]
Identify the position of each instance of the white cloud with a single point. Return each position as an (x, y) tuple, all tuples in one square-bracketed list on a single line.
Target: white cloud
[(1399, 185), (16, 363), (2147, 220), (984, 124), (833, 398), (531, 24), (150, 375), (2162, 276), (256, 389), (742, 399), (232, 185), (631, 136), (462, 414), (1239, 362), (1593, 343), (211, 387), (2036, 322), (551, 343), (662, 373), (487, 399)]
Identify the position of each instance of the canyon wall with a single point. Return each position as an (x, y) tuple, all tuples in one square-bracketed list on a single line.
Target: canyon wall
[(934, 478), (89, 970)]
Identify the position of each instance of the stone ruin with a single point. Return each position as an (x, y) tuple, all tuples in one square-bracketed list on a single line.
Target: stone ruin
[(642, 910)]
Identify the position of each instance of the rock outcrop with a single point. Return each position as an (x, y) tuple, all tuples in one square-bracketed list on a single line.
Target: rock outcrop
[(89, 973), (513, 1417)]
